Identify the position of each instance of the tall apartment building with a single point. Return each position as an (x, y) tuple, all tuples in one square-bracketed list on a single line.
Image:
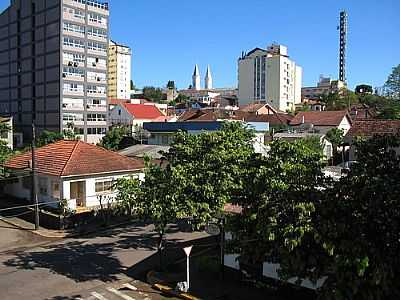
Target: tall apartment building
[(119, 71), (270, 76), (53, 66)]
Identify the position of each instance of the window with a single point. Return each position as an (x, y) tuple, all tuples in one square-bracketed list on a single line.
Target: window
[(97, 32), (96, 4), (69, 71), (100, 131), (97, 46), (43, 186), (72, 117), (74, 28), (96, 117), (73, 43), (79, 131), (55, 189), (93, 89), (104, 186), (74, 57), (96, 18), (72, 87)]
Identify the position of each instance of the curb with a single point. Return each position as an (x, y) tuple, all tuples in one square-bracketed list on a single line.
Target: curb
[(62, 234)]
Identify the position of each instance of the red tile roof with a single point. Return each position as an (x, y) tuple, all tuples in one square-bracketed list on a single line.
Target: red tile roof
[(275, 119), (142, 111), (117, 101), (320, 118), (71, 158), (370, 128)]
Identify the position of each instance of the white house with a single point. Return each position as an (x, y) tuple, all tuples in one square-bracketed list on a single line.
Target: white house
[(78, 172), (322, 121), (135, 114)]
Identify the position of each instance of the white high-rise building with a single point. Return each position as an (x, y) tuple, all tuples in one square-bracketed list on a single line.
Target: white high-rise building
[(208, 82), (119, 71), (270, 76), (196, 79)]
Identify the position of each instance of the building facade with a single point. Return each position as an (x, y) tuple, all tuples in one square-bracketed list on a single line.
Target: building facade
[(119, 71), (270, 76), (53, 62), (325, 86)]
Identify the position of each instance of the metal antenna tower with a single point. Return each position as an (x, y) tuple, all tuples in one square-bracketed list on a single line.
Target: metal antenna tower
[(343, 45)]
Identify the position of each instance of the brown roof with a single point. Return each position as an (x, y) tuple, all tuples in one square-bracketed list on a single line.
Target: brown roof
[(320, 118), (70, 158), (275, 119), (369, 128)]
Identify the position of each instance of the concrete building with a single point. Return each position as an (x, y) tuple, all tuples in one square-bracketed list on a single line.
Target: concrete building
[(119, 71), (325, 86), (53, 62), (270, 76)]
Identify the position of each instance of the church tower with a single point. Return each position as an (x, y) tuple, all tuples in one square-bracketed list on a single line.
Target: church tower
[(196, 78), (208, 79)]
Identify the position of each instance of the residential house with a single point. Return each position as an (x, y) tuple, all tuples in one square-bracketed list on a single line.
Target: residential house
[(81, 173), (293, 136), (259, 109), (135, 115), (322, 121), (368, 129)]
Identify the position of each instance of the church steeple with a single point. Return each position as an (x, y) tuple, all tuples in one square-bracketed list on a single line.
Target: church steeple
[(208, 79), (196, 78)]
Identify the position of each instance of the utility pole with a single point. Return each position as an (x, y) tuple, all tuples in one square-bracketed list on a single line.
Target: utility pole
[(35, 198), (222, 246)]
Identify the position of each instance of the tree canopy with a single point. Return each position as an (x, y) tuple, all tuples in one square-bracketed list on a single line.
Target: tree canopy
[(392, 84), (113, 138), (153, 94)]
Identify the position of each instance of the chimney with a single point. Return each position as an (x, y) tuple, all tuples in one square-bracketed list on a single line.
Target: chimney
[(302, 120)]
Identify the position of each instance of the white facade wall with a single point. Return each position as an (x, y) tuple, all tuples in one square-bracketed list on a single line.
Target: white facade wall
[(281, 79), (119, 115)]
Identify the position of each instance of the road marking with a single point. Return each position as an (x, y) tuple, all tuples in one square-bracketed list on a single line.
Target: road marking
[(98, 296), (118, 293), (129, 286)]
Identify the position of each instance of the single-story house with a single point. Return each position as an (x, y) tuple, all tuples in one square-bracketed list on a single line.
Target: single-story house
[(76, 171), (368, 129), (322, 121), (293, 136), (259, 109)]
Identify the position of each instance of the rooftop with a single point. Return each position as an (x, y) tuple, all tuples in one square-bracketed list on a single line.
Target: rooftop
[(72, 158), (370, 128), (142, 111), (320, 118), (154, 151)]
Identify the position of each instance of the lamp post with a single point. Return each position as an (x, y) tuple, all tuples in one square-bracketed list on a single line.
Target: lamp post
[(187, 252)]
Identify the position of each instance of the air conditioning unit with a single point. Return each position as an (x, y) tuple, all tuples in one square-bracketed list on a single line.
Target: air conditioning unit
[(98, 78), (70, 63), (75, 64), (94, 64)]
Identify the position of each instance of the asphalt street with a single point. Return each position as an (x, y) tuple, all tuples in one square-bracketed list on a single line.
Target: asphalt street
[(35, 268)]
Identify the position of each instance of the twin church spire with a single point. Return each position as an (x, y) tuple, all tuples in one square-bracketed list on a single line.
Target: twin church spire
[(208, 82)]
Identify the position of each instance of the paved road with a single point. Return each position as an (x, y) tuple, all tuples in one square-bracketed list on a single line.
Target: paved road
[(62, 269)]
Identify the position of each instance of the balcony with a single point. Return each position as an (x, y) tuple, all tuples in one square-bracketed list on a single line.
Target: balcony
[(98, 7), (73, 92), (73, 77), (97, 38), (71, 48), (96, 123), (70, 63), (96, 108), (96, 94), (97, 52), (97, 24), (72, 107), (75, 122), (97, 66), (97, 80), (70, 16), (75, 4), (74, 34)]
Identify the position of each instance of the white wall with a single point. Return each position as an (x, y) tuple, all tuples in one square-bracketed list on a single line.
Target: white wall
[(119, 115)]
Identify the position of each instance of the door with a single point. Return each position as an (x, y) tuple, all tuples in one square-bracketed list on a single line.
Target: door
[(78, 191)]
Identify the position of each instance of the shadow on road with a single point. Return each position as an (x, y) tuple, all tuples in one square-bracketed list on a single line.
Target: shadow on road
[(93, 257)]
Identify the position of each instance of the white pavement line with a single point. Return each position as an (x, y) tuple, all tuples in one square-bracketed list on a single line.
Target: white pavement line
[(118, 293), (130, 286), (98, 296)]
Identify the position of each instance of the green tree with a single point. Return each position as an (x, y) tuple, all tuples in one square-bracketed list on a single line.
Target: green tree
[(48, 137), (363, 89), (5, 154), (340, 100), (335, 136), (112, 139), (202, 174), (153, 94), (392, 85), (171, 85)]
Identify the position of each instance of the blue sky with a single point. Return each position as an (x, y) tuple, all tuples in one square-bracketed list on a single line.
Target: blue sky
[(169, 37)]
